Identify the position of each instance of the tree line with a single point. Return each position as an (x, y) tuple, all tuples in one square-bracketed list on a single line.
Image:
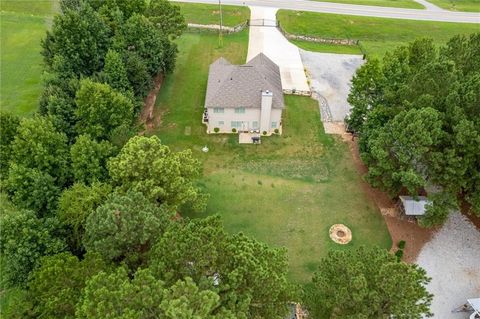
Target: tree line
[(91, 213), (417, 113)]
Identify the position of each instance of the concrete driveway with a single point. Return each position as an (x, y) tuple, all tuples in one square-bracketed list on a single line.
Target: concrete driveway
[(330, 76), (273, 44)]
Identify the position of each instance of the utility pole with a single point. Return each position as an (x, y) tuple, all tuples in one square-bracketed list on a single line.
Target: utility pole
[(220, 34)]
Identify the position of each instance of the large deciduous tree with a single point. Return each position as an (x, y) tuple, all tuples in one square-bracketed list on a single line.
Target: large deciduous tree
[(147, 166), (32, 189), (25, 239), (100, 109), (367, 283), (140, 35), (75, 205), (8, 129), (167, 17), (56, 285), (38, 145), (81, 37), (89, 159)]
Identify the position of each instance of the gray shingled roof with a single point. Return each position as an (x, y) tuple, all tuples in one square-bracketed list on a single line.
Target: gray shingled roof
[(242, 85)]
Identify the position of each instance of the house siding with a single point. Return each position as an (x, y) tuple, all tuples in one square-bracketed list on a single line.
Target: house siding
[(248, 118)]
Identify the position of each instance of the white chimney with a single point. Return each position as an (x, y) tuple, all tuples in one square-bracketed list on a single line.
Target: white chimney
[(266, 111)]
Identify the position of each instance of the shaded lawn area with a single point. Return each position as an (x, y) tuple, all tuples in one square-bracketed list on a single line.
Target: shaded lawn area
[(458, 5), (382, 3), (210, 14), (377, 35), (287, 191), (21, 61)]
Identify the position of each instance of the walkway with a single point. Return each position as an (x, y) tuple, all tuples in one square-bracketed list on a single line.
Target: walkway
[(357, 10), (273, 44)]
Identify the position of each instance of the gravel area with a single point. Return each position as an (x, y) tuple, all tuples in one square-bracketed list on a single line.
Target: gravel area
[(452, 259), (330, 75)]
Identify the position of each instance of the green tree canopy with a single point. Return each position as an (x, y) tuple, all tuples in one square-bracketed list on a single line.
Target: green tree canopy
[(75, 205), (250, 277), (147, 166), (419, 123), (38, 145), (81, 37), (89, 159), (32, 189), (167, 17), (115, 73), (56, 285), (140, 35), (124, 227), (367, 283), (100, 109), (8, 129), (115, 295), (25, 238)]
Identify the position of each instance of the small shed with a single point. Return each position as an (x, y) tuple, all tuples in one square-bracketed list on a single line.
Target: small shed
[(414, 206)]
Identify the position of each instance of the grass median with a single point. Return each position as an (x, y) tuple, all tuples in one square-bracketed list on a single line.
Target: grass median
[(377, 35)]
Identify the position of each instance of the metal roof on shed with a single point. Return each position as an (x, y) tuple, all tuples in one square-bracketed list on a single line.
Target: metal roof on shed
[(414, 206)]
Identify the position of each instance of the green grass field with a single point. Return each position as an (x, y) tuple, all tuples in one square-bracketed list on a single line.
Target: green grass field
[(377, 35), (326, 47), (382, 3), (287, 191), (210, 14), (23, 25), (458, 5)]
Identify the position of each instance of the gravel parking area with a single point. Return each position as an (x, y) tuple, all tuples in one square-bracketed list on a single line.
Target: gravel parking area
[(330, 75), (452, 259)]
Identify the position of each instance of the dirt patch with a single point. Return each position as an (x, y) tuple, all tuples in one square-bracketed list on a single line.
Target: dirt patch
[(148, 116), (399, 226), (340, 234)]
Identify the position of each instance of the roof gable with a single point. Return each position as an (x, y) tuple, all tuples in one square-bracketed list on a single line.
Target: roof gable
[(241, 85)]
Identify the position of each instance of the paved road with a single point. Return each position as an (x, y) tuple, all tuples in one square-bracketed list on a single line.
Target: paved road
[(358, 10)]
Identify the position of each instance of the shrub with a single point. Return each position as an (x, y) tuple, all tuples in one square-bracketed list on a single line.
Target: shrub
[(234, 130), (276, 131), (401, 244), (216, 130), (264, 132), (259, 182), (399, 254)]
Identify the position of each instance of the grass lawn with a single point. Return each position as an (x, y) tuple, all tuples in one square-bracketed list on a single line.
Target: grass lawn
[(23, 25), (326, 47), (382, 3), (210, 14), (458, 5), (377, 35), (287, 191)]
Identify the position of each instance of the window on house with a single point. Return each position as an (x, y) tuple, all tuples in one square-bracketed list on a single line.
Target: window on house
[(236, 124), (220, 123), (255, 124), (274, 124), (218, 110), (240, 110)]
